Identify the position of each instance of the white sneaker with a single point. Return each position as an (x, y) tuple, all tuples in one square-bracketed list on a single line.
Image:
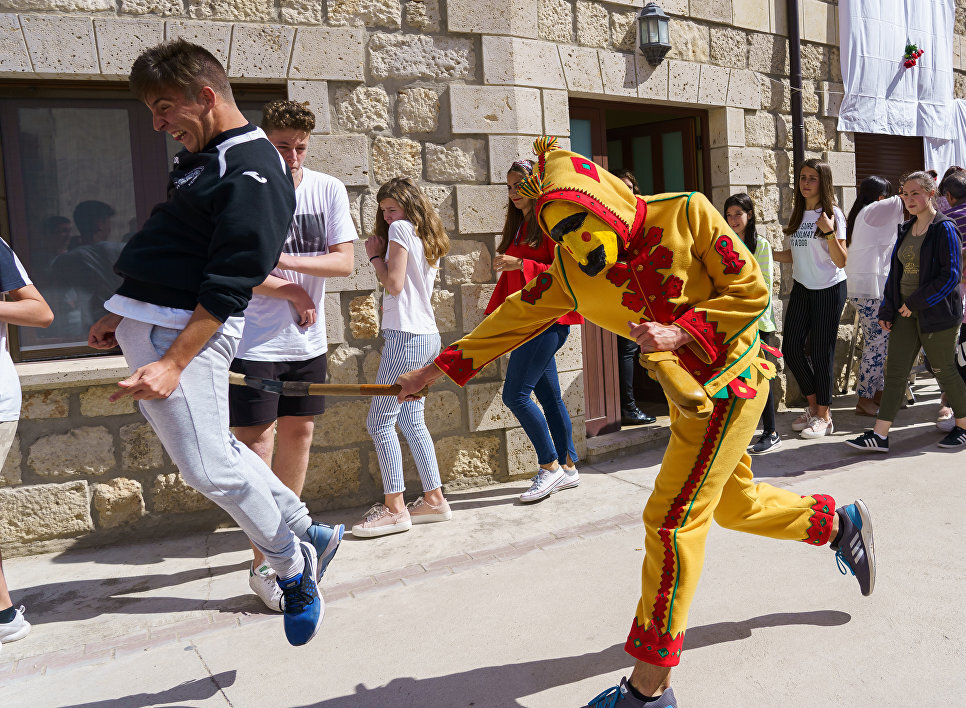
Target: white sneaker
[(803, 421), (15, 629), (549, 481), (818, 428), (264, 583), (945, 421)]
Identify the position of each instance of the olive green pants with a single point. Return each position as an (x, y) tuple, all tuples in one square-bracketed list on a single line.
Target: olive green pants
[(905, 340)]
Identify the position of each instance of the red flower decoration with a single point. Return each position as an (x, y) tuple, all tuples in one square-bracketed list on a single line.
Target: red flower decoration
[(912, 53)]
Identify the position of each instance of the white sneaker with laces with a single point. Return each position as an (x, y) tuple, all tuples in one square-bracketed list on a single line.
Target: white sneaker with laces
[(264, 583), (15, 629), (802, 421), (818, 428), (549, 481), (945, 421)]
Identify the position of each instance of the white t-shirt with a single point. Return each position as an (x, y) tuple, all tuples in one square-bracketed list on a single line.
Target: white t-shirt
[(321, 220), (812, 265), (412, 310), (12, 277), (873, 236)]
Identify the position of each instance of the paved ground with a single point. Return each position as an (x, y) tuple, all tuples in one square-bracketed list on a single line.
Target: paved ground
[(511, 605)]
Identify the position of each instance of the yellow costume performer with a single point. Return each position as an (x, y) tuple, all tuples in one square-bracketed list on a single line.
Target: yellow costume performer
[(670, 259)]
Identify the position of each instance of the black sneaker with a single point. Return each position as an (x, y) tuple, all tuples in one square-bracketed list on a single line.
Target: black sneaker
[(956, 438), (621, 697), (869, 442), (766, 442), (855, 551)]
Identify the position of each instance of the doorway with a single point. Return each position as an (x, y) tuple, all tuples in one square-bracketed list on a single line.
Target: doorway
[(664, 148)]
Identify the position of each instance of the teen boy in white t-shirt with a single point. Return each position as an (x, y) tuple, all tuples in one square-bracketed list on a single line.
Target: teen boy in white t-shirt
[(284, 336)]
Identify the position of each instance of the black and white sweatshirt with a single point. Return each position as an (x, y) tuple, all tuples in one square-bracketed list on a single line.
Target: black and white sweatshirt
[(220, 232)]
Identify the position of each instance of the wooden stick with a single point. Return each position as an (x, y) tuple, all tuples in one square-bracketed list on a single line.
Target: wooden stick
[(304, 388)]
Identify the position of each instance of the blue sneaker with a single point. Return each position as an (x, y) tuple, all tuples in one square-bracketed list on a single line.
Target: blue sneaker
[(304, 607), (855, 551), (621, 697), (326, 540)]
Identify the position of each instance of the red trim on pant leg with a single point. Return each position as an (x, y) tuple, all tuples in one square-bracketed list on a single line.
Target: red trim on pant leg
[(653, 647), (820, 522)]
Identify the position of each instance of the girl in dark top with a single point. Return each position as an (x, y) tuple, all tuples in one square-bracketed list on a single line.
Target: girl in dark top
[(922, 308)]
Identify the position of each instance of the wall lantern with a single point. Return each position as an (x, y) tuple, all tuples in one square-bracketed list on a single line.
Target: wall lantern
[(653, 35)]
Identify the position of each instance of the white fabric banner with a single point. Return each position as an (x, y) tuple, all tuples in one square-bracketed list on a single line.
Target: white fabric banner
[(881, 95), (943, 154)]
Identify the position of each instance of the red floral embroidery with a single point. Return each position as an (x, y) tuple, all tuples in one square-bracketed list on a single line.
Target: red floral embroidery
[(729, 256), (458, 367), (540, 285), (820, 522), (648, 288), (658, 648)]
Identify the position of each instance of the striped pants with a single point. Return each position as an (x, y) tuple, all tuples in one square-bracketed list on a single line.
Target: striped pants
[(403, 352), (808, 339)]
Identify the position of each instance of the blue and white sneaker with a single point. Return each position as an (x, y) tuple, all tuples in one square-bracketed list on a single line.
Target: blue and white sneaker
[(855, 551), (326, 540), (304, 607), (621, 697)]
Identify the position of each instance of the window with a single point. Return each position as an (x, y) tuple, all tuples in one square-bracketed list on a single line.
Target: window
[(82, 171)]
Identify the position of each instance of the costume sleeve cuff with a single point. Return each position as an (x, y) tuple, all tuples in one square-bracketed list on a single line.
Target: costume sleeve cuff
[(452, 362), (702, 332)]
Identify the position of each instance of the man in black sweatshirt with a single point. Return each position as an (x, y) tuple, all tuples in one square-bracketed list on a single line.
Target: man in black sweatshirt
[(187, 276)]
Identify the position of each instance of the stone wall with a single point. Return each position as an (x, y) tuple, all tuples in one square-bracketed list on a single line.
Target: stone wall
[(450, 92)]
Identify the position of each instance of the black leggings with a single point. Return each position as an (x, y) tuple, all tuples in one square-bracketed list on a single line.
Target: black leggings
[(768, 415), (810, 332)]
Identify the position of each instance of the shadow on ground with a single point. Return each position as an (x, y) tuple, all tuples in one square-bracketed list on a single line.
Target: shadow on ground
[(196, 690)]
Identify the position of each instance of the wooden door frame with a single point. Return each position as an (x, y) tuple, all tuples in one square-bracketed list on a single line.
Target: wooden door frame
[(652, 130)]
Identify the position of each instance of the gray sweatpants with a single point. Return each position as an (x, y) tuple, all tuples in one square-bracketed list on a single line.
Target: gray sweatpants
[(192, 424)]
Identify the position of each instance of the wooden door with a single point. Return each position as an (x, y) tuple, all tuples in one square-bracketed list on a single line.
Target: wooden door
[(661, 155)]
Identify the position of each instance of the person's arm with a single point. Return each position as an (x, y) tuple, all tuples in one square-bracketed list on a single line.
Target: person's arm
[(392, 276), (337, 263), (26, 308), (782, 256), (301, 301), (832, 229), (160, 378), (949, 256)]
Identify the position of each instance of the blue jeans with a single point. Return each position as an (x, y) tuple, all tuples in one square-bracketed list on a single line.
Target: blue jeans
[(532, 369)]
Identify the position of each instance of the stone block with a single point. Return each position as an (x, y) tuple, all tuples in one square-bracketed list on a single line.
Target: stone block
[(819, 22), (555, 21), (49, 403), (240, 10), (334, 322), (316, 94), (467, 262), (736, 165), (809, 96), (729, 47), (581, 68), (343, 423), (744, 90), (517, 19), (476, 213), (503, 150), (495, 109), (10, 470), (345, 157), (846, 197), (120, 42), (418, 110), (690, 41), (766, 200), (343, 364), (486, 409), (423, 15), (444, 412), (45, 511), (474, 298), (512, 61), (618, 72), (13, 48), (328, 53), (444, 307), (442, 199), (623, 30), (814, 61), (819, 133), (260, 51), (556, 113), (683, 80), (76, 7), (570, 356), (95, 402), (752, 14), (213, 36), (593, 28), (365, 13), (419, 56), (60, 44), (118, 502), (768, 53), (362, 109), (396, 157), (830, 95), (332, 474), (469, 460), (301, 12), (760, 129), (370, 365), (171, 495), (713, 85), (846, 141), (776, 94), (362, 277), (651, 80), (80, 452), (140, 448), (714, 10), (572, 391), (364, 317), (521, 457), (843, 168), (461, 160), (726, 126)]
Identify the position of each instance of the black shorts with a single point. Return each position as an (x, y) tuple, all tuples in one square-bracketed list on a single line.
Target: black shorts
[(249, 406)]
